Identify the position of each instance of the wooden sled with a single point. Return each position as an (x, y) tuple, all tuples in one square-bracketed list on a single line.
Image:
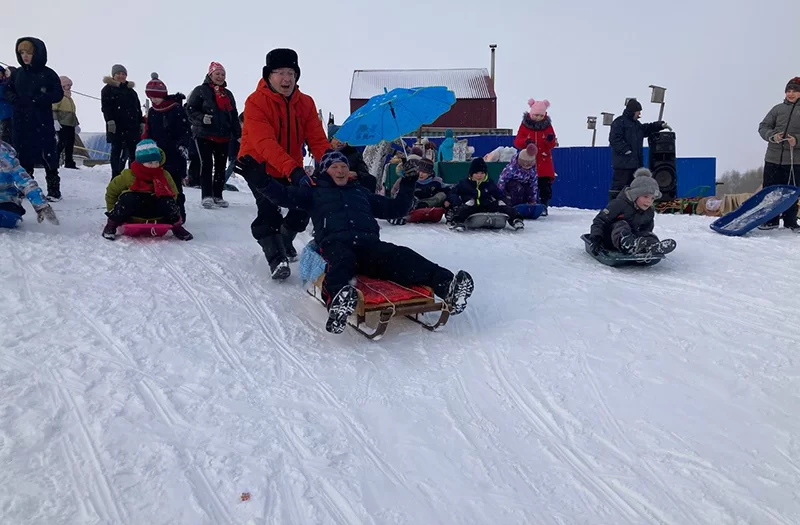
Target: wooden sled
[(383, 301), (491, 221)]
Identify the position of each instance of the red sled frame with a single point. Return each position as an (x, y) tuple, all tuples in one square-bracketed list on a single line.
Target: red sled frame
[(388, 309)]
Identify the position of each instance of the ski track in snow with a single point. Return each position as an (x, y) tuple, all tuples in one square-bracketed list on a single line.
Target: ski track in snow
[(155, 381)]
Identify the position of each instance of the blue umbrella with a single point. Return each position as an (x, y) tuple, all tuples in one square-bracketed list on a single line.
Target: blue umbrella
[(394, 114)]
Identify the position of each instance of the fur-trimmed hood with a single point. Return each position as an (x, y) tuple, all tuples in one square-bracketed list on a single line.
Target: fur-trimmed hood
[(115, 83), (529, 123)]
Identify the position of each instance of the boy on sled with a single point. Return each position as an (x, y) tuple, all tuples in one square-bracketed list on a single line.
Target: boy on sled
[(345, 228)]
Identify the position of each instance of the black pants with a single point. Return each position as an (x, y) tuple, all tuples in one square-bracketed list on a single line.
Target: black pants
[(51, 174), (545, 190), (619, 180), (213, 161), (122, 152), (380, 260), (176, 167), (146, 206), (66, 144), (5, 130), (464, 212), (775, 174), (269, 219), (13, 207)]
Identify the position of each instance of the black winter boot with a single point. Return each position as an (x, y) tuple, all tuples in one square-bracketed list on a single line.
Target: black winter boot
[(461, 289), (110, 230), (53, 186), (275, 252), (342, 306), (288, 243)]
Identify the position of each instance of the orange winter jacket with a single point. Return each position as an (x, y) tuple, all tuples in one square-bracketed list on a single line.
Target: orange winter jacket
[(275, 129)]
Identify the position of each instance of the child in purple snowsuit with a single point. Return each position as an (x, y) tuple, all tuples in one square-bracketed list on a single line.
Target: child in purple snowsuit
[(519, 181)]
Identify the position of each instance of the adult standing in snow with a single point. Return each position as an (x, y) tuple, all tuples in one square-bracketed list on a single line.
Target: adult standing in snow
[(215, 122), (122, 111), (537, 128), (781, 129), (278, 119), (168, 125), (33, 90), (65, 119), (6, 110), (627, 152)]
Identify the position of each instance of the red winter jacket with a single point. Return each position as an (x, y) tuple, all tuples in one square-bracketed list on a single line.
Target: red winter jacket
[(276, 128), (542, 134)]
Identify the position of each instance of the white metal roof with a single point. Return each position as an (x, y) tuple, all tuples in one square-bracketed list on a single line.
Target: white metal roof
[(465, 83)]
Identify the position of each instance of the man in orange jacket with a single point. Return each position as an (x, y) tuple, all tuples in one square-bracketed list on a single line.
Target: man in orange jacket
[(278, 119)]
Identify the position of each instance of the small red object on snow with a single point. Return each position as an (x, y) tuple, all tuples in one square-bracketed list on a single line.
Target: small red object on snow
[(245, 496)]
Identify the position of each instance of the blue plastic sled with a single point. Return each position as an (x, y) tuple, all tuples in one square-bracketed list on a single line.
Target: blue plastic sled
[(530, 211), (758, 209), (9, 219)]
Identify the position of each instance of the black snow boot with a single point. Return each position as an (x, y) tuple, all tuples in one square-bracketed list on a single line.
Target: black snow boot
[(461, 289), (288, 243), (342, 306), (110, 230), (53, 186), (275, 252), (660, 247)]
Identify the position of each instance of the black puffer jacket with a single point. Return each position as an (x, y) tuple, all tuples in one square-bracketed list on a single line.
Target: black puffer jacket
[(224, 124), (32, 91), (342, 213), (623, 209), (121, 104), (626, 140)]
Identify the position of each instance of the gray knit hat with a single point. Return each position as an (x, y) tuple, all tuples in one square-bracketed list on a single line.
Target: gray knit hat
[(643, 184), (118, 68)]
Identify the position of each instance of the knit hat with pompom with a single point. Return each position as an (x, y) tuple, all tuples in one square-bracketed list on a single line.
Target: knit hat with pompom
[(155, 88), (643, 184)]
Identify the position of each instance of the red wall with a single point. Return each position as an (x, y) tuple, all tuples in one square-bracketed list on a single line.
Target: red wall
[(465, 113)]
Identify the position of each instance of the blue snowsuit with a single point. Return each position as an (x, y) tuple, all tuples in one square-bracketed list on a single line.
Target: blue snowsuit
[(15, 183)]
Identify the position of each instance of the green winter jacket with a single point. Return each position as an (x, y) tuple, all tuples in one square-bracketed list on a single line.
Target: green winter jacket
[(778, 121), (122, 183)]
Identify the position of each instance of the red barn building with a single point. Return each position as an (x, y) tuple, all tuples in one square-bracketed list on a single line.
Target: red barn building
[(476, 101)]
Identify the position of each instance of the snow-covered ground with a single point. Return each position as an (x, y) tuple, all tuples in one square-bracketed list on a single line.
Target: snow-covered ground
[(156, 381)]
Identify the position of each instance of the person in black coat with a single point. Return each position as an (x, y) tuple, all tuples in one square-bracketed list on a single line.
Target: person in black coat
[(32, 91), (168, 125), (626, 224), (357, 164), (343, 213), (479, 194), (123, 114), (627, 152), (215, 122)]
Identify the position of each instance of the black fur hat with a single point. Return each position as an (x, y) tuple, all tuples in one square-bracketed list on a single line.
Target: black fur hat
[(278, 58)]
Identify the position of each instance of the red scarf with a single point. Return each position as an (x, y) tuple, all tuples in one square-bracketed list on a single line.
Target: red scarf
[(223, 100), (165, 105), (150, 180)]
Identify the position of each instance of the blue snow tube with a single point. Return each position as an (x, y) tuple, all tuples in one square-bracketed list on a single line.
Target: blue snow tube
[(530, 211)]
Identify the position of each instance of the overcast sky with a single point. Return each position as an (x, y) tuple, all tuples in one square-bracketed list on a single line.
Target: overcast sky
[(724, 63)]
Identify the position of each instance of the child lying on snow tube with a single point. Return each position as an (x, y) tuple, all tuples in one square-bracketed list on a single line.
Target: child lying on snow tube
[(343, 213), (626, 224), (144, 192), (479, 194), (14, 183)]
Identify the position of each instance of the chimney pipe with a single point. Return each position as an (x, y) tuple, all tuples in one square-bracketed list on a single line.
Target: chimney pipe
[(492, 47)]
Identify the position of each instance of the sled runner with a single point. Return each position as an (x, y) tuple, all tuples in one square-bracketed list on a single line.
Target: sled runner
[(426, 215), (139, 229), (530, 211), (492, 221), (9, 219), (757, 210), (614, 258), (381, 301)]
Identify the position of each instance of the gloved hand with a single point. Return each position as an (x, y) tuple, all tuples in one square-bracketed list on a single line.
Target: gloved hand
[(550, 137), (207, 120), (111, 127), (595, 244), (470, 202), (46, 212), (77, 130), (299, 177), (410, 170), (664, 125), (57, 125), (247, 166), (184, 151)]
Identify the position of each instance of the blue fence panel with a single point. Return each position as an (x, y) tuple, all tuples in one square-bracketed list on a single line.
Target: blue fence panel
[(697, 177)]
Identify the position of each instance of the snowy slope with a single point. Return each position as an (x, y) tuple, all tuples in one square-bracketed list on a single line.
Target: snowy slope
[(154, 382)]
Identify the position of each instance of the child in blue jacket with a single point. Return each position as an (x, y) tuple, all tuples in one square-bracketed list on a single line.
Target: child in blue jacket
[(15, 182)]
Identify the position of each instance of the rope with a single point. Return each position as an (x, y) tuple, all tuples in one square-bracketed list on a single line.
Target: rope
[(791, 161), (76, 92)]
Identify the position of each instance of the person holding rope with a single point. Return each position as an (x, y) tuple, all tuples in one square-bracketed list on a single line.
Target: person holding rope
[(343, 213), (781, 129)]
